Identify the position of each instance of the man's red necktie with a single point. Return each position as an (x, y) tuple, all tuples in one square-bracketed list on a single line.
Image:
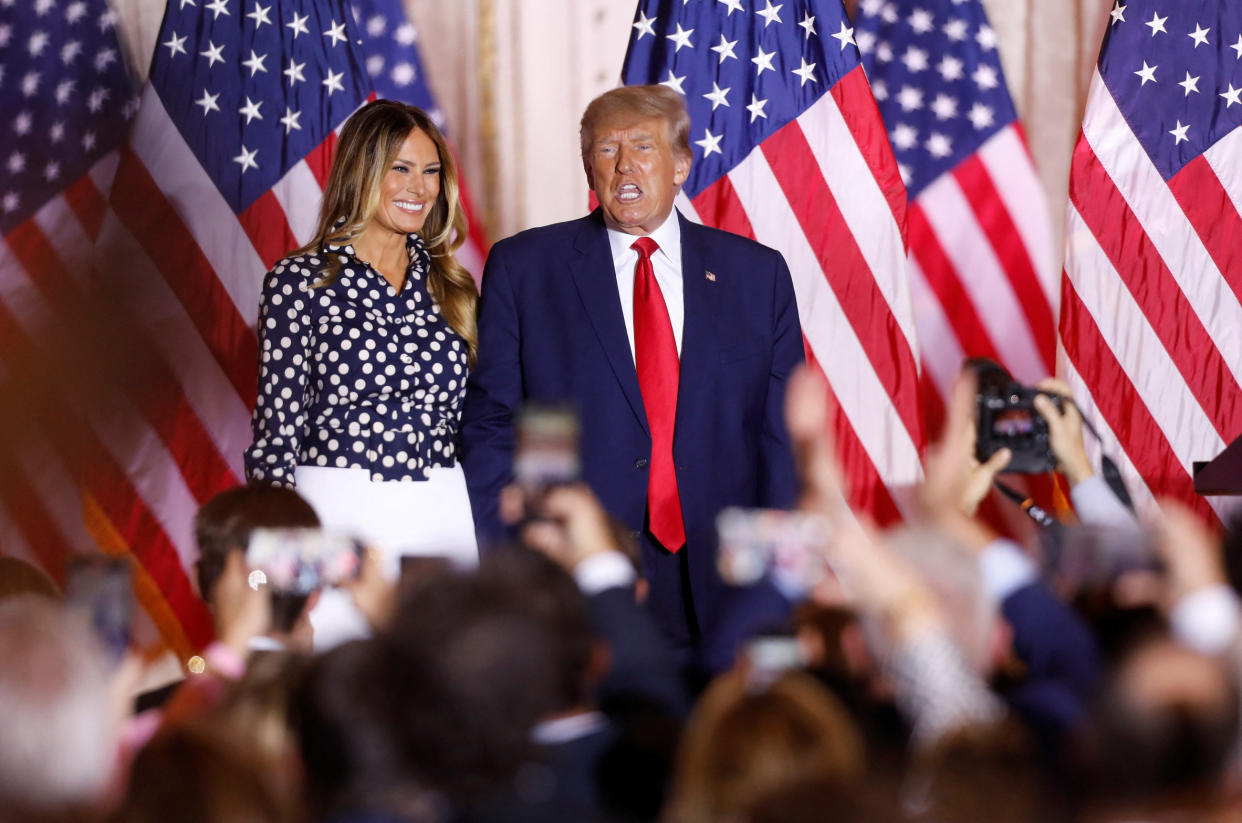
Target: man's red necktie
[(655, 354)]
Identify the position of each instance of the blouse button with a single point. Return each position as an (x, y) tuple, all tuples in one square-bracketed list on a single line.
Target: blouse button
[(406, 358)]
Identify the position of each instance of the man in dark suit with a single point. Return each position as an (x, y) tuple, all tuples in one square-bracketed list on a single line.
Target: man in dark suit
[(673, 342)]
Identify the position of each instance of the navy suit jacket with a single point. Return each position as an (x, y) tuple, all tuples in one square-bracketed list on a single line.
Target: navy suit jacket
[(551, 331)]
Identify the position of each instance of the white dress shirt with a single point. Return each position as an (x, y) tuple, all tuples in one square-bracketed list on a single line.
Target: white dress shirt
[(667, 265)]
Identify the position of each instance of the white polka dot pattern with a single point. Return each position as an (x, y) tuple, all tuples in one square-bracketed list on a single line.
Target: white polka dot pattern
[(352, 374)]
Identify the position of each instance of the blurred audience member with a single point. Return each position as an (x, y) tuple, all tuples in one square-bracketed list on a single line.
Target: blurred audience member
[(255, 712), (1163, 736), (356, 767), (752, 748), (195, 774), (222, 530), (987, 773), (60, 714), (574, 735), (573, 529)]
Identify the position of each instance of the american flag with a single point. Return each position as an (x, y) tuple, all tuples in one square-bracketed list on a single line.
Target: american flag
[(982, 260), (395, 65), (130, 282), (789, 149), (1151, 318)]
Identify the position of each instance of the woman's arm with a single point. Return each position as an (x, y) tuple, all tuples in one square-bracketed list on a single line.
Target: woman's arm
[(284, 373)]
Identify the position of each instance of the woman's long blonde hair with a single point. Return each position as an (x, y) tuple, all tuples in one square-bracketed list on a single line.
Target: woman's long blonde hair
[(368, 145)]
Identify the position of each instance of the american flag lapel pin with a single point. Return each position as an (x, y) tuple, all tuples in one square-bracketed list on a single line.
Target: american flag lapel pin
[(711, 275)]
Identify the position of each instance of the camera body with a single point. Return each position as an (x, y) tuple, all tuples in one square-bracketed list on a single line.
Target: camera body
[(1007, 419)]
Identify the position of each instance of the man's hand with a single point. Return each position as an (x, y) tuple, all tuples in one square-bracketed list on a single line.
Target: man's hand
[(955, 481), (875, 580), (374, 594), (241, 612), (1064, 431), (1190, 552), (808, 419), (573, 526)]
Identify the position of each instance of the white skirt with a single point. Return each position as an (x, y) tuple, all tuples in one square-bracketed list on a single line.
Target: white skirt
[(426, 518)]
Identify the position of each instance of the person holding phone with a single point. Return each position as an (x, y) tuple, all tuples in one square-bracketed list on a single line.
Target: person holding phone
[(367, 334)]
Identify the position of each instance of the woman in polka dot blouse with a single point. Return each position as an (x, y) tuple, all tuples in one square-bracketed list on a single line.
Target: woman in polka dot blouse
[(366, 337)]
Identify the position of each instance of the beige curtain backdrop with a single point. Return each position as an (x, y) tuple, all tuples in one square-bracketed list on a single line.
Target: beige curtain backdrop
[(514, 75)]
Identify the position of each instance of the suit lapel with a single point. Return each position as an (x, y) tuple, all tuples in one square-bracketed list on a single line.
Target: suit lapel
[(596, 281), (698, 337)]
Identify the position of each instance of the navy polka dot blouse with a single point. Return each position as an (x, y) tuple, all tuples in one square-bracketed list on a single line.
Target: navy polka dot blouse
[(353, 374)]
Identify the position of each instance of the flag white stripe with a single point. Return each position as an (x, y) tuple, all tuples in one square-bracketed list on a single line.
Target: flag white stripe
[(104, 172), (294, 193), (66, 237), (151, 470), (207, 388), (469, 256), (199, 204), (687, 209), (1141, 495), (1223, 157), (862, 204), (1013, 175), (1137, 348), (942, 352), (1165, 224), (982, 277), (57, 489), (863, 398)]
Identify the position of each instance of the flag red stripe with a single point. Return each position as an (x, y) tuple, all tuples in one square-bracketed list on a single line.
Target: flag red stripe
[(87, 204), (153, 222), (474, 228), (268, 229), (866, 491), (718, 205), (933, 404), (117, 497), (319, 160), (1215, 219), (25, 507), (1138, 263), (156, 391), (861, 115), (943, 280), (149, 543), (997, 223), (1122, 406), (845, 269)]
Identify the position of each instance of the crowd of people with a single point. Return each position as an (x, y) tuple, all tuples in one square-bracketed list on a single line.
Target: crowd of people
[(939, 672), (569, 649)]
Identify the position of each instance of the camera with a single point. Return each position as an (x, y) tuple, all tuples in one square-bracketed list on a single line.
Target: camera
[(1006, 418)]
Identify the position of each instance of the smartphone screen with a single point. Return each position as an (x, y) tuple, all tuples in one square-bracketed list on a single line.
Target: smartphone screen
[(785, 544), (299, 561), (99, 588), (547, 449)]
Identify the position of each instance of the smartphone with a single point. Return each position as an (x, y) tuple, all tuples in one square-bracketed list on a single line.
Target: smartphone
[(787, 545), (99, 588), (299, 561), (770, 656), (547, 451), (1091, 556)]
